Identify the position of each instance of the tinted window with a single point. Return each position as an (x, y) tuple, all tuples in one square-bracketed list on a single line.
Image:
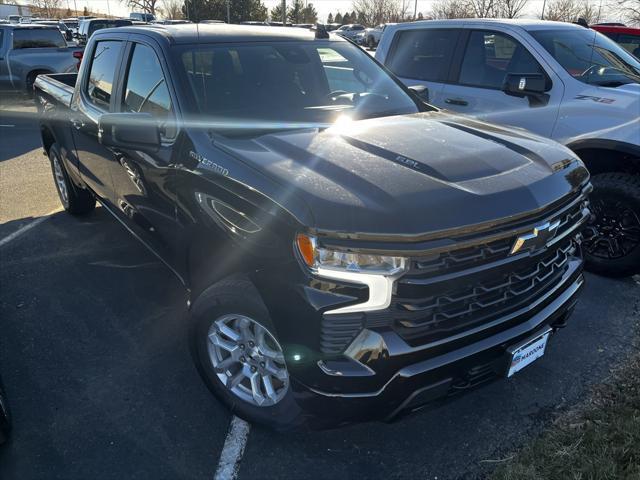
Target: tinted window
[(631, 43), (489, 56), (94, 26), (38, 38), (293, 82), (589, 56), (103, 69), (423, 54), (146, 89)]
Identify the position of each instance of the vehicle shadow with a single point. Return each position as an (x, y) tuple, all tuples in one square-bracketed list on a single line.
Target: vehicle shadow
[(94, 357), (18, 128), (468, 436)]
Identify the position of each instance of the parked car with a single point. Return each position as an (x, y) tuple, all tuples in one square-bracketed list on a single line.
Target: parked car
[(335, 271), (627, 37), (29, 50), (558, 80), (72, 24), (66, 31), (349, 31), (90, 26), (373, 35), (142, 17)]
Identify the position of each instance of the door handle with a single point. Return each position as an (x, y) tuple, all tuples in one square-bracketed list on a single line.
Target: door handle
[(77, 124), (456, 101)]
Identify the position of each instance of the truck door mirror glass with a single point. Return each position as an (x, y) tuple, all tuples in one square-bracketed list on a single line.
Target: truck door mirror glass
[(135, 131), (530, 85), (421, 91)]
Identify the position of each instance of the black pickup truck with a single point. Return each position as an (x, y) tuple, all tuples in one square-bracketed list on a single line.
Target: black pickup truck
[(349, 251)]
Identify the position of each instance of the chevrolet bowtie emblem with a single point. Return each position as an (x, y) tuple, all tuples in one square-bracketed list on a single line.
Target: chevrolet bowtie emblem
[(536, 239)]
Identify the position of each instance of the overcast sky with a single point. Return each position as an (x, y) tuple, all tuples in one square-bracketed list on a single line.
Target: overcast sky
[(322, 6)]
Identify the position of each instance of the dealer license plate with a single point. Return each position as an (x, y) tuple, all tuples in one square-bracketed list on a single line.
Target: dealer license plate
[(527, 353)]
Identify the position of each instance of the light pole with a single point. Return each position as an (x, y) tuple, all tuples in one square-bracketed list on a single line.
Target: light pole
[(415, 10), (228, 11), (543, 4), (284, 13)]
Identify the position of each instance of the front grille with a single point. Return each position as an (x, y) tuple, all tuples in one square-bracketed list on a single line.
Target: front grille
[(489, 252), (420, 315)]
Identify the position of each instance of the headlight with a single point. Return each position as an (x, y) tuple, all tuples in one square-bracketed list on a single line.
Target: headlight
[(378, 272), (323, 258)]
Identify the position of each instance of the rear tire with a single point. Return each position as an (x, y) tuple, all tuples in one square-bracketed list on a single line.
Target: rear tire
[(612, 240), (31, 79), (75, 200), (228, 300)]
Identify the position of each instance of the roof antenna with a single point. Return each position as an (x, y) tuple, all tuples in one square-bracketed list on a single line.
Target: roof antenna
[(321, 31), (582, 22)]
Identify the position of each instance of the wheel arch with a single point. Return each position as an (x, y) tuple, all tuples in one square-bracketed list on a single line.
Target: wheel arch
[(606, 156), (48, 138)]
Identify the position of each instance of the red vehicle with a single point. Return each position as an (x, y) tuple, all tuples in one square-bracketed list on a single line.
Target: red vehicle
[(627, 37)]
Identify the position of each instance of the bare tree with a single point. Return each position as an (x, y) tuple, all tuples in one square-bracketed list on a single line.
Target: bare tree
[(509, 8), (171, 9), (482, 8), (144, 6), (629, 10), (572, 10), (562, 10), (443, 9), (46, 8), (375, 12)]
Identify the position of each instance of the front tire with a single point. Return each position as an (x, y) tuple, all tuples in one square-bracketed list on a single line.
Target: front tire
[(612, 240), (236, 351), (76, 201)]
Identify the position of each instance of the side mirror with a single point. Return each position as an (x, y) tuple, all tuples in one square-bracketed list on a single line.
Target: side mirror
[(421, 91), (530, 85), (135, 131)]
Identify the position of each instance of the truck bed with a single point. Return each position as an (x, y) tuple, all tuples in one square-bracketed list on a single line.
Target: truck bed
[(58, 87)]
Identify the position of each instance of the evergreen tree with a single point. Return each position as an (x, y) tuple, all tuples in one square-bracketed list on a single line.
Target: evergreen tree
[(346, 19), (330, 18), (420, 16), (85, 12), (294, 15), (309, 14), (240, 10), (276, 13), (338, 18)]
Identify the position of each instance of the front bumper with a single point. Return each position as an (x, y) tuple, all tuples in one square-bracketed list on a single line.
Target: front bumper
[(397, 379)]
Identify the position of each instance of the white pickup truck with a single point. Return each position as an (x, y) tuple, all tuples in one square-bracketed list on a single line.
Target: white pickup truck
[(559, 80)]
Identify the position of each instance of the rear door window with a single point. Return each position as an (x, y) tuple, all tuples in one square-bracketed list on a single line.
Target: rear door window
[(104, 63), (423, 54), (146, 88), (38, 38), (490, 56)]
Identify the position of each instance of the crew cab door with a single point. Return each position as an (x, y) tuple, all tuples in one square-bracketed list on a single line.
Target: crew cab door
[(479, 74), (143, 179), (94, 97), (423, 56)]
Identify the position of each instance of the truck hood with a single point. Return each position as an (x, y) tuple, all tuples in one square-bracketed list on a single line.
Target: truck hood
[(411, 175)]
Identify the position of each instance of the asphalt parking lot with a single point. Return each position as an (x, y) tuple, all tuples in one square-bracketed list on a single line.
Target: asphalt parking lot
[(94, 359)]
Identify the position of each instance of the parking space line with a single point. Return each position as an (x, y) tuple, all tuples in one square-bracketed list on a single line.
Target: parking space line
[(233, 449), (7, 126), (27, 227)]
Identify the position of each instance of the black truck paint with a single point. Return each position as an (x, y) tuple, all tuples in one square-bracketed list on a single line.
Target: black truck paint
[(449, 194)]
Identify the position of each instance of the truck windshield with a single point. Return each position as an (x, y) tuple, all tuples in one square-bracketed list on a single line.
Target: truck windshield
[(300, 83), (590, 57)]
